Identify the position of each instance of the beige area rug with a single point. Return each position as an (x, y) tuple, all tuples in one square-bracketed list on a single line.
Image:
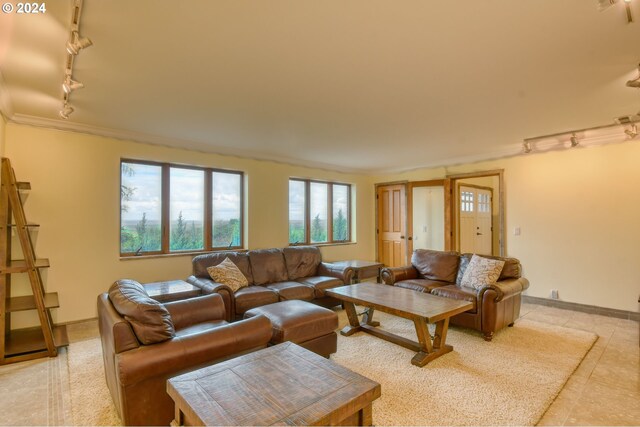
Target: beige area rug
[(509, 381), (91, 402)]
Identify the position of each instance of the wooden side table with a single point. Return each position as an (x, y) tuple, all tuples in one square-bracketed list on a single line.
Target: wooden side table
[(171, 290), (280, 385), (362, 269)]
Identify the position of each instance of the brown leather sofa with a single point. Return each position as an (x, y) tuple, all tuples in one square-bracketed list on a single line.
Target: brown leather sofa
[(292, 273), (144, 343), (440, 273)]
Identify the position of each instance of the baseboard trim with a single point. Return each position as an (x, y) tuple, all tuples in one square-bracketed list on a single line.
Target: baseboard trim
[(591, 309)]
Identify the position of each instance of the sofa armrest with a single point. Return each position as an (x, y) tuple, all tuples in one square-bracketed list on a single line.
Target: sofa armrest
[(391, 275), (504, 289), (208, 286), (344, 273), (196, 310), (190, 351)]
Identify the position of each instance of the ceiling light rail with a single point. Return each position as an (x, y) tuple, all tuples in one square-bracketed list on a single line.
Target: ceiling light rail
[(75, 44), (623, 129)]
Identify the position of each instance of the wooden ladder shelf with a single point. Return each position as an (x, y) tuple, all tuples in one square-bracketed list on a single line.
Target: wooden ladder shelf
[(17, 345)]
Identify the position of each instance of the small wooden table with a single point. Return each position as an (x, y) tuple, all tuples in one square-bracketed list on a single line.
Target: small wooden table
[(171, 290), (362, 269), (283, 384), (417, 306)]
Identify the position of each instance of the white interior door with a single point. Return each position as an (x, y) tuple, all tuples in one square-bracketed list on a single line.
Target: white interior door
[(474, 213)]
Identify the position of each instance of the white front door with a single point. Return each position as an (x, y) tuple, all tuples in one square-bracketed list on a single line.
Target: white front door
[(474, 213)]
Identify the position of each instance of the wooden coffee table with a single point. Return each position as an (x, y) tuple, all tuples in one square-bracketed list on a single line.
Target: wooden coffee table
[(417, 306), (284, 384)]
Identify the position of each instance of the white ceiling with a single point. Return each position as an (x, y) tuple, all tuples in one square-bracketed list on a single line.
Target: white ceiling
[(353, 85)]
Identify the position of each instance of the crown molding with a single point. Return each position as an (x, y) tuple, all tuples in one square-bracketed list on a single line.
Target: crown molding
[(608, 135), (144, 138)]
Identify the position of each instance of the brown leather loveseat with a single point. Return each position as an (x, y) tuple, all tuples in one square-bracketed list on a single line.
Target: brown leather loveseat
[(292, 273), (440, 273), (144, 343)]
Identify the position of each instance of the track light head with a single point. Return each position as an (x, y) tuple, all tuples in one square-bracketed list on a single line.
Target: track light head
[(77, 43), (574, 140), (526, 147), (66, 111), (70, 85), (633, 132)]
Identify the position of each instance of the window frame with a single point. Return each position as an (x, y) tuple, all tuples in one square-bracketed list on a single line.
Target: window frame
[(307, 213), (165, 208)]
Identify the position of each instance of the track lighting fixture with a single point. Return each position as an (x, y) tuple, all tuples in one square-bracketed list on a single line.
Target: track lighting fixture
[(70, 85), (574, 140), (633, 132), (66, 111), (526, 147), (77, 43)]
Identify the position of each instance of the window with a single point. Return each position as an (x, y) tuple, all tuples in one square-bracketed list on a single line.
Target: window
[(319, 212), (167, 208)]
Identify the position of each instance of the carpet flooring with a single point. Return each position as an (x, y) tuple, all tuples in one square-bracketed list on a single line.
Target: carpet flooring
[(510, 381)]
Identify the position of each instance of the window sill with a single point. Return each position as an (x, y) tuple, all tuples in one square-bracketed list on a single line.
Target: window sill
[(177, 254), (324, 244)]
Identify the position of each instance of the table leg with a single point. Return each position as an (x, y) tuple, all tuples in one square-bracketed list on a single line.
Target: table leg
[(367, 318), (430, 350), (354, 323)]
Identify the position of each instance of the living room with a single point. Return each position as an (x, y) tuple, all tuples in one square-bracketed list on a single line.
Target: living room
[(574, 207)]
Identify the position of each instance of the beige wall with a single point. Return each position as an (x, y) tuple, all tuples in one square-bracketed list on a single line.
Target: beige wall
[(75, 197), (3, 125), (578, 211)]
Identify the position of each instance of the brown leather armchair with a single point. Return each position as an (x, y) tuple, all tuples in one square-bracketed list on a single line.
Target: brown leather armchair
[(440, 273), (189, 334)]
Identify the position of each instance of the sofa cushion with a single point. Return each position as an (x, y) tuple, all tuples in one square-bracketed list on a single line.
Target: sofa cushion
[(240, 259), (321, 283), (462, 294), (420, 285), (268, 266), (301, 261), (150, 320), (293, 290), (511, 270), (436, 265), (228, 274), (254, 296), (481, 272)]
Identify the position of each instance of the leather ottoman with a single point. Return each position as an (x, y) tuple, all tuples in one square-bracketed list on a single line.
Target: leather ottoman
[(303, 323)]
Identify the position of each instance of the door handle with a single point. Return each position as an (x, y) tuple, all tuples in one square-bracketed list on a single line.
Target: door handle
[(402, 237), (478, 234)]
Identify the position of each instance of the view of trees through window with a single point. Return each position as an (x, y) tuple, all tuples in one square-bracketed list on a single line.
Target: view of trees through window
[(315, 203), (142, 200)]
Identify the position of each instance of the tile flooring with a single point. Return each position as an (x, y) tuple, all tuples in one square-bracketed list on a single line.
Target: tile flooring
[(604, 390)]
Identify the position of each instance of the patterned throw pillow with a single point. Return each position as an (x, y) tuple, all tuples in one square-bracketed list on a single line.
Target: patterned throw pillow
[(481, 272), (228, 274)]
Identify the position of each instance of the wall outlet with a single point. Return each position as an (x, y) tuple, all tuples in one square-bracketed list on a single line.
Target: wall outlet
[(516, 231), (554, 294)]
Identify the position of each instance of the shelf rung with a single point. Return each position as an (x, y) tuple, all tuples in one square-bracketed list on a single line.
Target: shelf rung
[(23, 186), (20, 266), (30, 340), (28, 302)]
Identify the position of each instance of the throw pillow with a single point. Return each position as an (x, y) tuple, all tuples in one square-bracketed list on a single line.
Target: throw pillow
[(228, 274), (481, 272), (150, 320)]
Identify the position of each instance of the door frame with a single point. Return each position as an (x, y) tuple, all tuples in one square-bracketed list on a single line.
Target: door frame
[(501, 203), (377, 215)]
